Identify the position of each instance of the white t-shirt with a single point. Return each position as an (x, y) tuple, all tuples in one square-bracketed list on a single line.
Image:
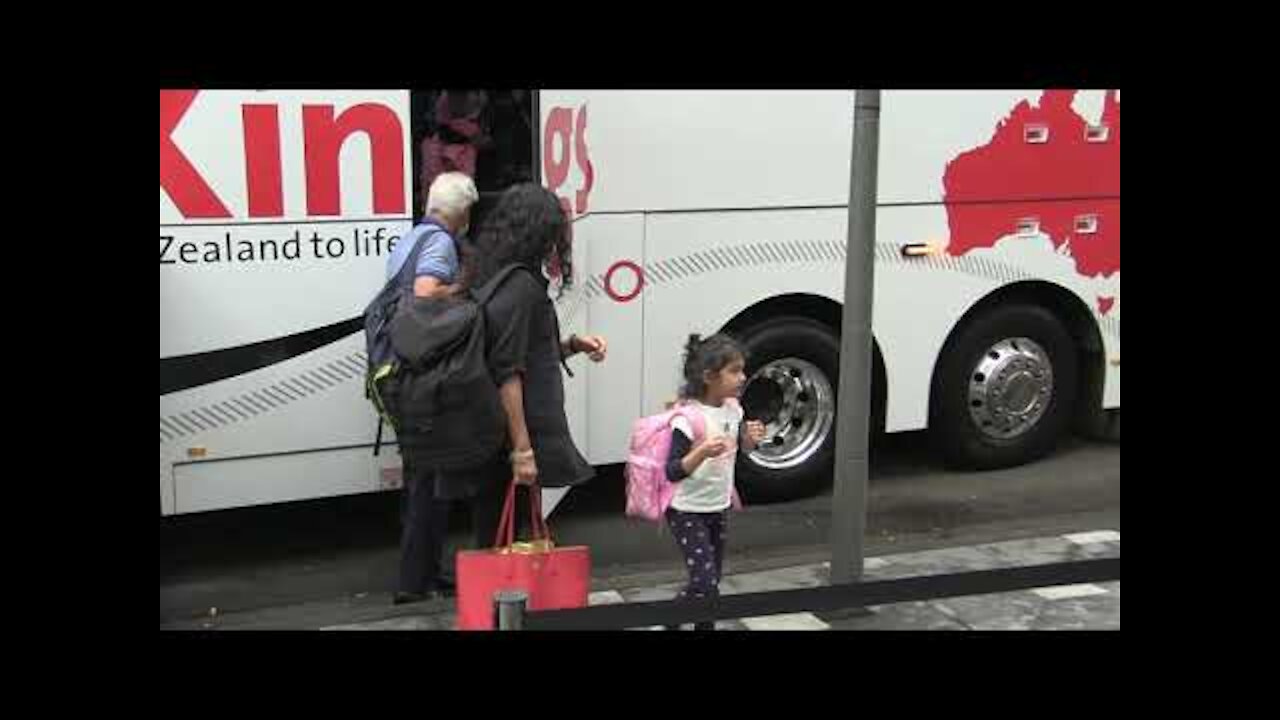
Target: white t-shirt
[(708, 488)]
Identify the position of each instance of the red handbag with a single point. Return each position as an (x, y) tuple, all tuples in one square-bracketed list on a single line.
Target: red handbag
[(554, 577)]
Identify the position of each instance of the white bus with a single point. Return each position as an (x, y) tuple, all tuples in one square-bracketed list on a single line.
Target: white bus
[(996, 307)]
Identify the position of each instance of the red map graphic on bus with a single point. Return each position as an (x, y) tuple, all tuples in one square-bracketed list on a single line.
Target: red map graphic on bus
[(1037, 152)]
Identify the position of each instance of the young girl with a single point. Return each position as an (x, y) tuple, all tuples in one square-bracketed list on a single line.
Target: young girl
[(713, 373)]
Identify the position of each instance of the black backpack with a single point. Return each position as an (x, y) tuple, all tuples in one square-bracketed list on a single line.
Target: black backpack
[(444, 398), (383, 365)]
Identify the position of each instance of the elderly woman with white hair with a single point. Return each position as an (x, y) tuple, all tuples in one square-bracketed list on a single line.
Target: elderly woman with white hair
[(447, 220), (425, 517)]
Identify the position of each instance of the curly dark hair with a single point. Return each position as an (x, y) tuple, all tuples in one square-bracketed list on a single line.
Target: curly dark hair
[(712, 354), (526, 227)]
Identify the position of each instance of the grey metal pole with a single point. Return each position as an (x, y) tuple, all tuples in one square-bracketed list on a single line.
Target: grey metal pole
[(849, 501), (508, 609)]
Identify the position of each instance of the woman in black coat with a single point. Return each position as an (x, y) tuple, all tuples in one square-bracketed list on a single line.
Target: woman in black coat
[(525, 353)]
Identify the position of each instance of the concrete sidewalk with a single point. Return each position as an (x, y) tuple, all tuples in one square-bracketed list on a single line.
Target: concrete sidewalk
[(1074, 607)]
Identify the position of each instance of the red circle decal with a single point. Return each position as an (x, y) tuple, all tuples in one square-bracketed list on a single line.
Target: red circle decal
[(608, 281)]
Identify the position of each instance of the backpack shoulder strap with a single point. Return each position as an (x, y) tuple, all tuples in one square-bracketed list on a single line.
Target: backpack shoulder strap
[(410, 266), (404, 276), (695, 418), (486, 291)]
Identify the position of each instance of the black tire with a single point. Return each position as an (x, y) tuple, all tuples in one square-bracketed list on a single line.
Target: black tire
[(815, 343), (954, 431), (1101, 425)]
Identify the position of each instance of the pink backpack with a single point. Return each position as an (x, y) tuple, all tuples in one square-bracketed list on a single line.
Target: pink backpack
[(649, 492)]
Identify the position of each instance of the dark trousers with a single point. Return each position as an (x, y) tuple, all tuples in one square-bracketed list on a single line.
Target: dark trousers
[(484, 489), (486, 512), (424, 520), (701, 538)]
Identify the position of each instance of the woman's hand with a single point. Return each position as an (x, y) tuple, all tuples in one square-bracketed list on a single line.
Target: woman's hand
[(595, 346), (524, 469)]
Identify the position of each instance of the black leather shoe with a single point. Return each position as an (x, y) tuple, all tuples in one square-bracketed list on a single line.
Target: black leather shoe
[(446, 586), (404, 598)]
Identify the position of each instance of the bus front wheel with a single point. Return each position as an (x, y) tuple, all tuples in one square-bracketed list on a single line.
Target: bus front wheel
[(792, 374), (1005, 389)]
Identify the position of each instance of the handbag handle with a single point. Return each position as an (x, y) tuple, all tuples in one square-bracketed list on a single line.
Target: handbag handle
[(506, 525)]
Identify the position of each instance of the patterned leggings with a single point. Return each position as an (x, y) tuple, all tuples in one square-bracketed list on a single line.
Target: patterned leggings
[(701, 538)]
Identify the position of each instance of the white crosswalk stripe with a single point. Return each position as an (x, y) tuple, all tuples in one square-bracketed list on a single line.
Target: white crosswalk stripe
[(605, 597), (1065, 592), (873, 563), (796, 621), (1091, 538)]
